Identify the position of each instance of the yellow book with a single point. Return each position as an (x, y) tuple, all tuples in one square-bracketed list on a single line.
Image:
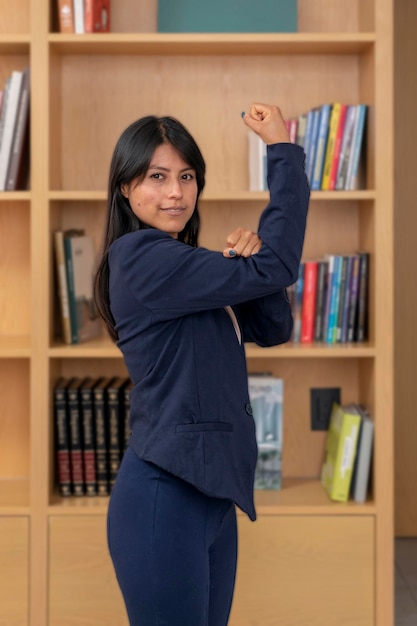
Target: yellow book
[(331, 141), (341, 444)]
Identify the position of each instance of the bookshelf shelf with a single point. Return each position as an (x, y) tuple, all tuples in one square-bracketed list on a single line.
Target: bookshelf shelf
[(15, 196), (14, 44), (15, 346), (213, 43)]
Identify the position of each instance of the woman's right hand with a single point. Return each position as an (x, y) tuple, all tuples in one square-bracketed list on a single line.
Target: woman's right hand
[(266, 121)]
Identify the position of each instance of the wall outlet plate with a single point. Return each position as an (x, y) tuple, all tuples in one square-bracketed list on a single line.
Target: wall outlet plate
[(321, 401)]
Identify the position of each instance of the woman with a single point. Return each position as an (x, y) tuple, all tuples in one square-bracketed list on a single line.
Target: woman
[(180, 315)]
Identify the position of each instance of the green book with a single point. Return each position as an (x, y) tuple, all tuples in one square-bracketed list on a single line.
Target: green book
[(341, 444), (237, 16)]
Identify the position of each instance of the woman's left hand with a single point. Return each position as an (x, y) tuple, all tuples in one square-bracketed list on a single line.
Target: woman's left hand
[(242, 242)]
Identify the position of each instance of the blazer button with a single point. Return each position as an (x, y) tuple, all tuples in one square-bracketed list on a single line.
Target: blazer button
[(248, 409)]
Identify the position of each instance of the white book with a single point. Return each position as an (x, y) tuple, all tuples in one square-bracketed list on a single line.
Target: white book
[(79, 16), (257, 163), (10, 119), (362, 469)]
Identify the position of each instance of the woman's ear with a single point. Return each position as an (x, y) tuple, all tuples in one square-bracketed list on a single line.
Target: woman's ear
[(124, 189)]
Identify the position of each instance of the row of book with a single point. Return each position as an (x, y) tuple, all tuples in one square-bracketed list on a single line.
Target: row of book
[(332, 136), (75, 262), (14, 131), (92, 430), (330, 299), (84, 16), (91, 418), (346, 470)]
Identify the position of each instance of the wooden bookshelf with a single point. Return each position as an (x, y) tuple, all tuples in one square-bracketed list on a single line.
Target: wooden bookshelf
[(85, 90)]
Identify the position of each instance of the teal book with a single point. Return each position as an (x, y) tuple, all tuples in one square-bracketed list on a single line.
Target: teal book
[(236, 16)]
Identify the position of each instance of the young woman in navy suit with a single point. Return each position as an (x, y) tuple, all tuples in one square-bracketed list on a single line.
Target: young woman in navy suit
[(181, 314)]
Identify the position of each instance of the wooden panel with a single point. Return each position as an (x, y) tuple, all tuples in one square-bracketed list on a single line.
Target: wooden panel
[(311, 571), (17, 20), (82, 585), (14, 418), (14, 571)]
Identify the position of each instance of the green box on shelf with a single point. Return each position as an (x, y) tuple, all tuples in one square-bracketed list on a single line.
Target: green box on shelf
[(232, 16)]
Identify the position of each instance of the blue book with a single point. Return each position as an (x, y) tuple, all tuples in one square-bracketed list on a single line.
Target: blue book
[(313, 144), (323, 132), (217, 16), (334, 299)]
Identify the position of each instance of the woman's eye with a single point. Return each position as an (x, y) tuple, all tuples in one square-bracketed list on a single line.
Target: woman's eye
[(188, 177), (157, 176)]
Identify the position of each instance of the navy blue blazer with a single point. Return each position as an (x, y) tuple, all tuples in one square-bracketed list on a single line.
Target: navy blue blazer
[(190, 408)]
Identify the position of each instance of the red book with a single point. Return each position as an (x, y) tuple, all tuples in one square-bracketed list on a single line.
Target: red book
[(309, 301), (65, 16), (96, 16), (337, 145)]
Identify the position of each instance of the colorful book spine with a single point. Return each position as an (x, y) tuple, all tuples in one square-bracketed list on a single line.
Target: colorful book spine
[(320, 299), (337, 147), (19, 149), (356, 150), (333, 125), (65, 16), (321, 146), (346, 147), (10, 121), (309, 301)]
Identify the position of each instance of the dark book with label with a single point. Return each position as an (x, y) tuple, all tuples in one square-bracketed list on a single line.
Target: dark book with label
[(76, 442), (62, 444), (101, 435), (88, 434)]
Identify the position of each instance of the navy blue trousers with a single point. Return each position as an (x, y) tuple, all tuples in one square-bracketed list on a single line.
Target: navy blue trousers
[(174, 549)]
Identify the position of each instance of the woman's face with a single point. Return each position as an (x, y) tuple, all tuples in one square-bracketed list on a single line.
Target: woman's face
[(166, 197)]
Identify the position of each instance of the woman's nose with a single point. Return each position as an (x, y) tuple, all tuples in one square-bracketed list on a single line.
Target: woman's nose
[(175, 190)]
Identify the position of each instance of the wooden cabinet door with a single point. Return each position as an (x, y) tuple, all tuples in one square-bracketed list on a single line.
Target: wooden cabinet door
[(14, 571), (82, 585), (305, 571)]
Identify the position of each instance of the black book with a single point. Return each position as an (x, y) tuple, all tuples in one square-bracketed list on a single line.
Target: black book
[(88, 435), (76, 441), (101, 435), (62, 441)]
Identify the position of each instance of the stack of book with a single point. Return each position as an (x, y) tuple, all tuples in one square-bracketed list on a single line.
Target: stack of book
[(346, 468), (91, 433), (332, 136), (84, 16), (75, 262), (329, 301), (14, 131)]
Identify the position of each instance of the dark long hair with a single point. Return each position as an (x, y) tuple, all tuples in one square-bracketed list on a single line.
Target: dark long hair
[(131, 159)]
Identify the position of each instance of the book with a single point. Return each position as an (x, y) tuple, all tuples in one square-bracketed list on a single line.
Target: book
[(62, 441), (96, 16), (354, 297), (194, 16), (298, 304), (257, 163), (10, 120), (61, 276), (266, 397), (341, 444), (334, 299), (75, 436), (362, 319), (320, 299), (88, 435), (331, 141), (352, 175), (346, 147), (337, 147), (321, 146), (116, 424), (101, 435), (19, 157), (80, 260), (65, 16), (309, 301), (78, 9), (362, 466)]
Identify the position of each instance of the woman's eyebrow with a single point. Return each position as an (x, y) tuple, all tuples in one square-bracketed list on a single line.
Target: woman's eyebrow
[(166, 169)]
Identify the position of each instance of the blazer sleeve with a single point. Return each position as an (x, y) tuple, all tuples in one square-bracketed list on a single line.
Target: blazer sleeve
[(173, 279), (266, 321)]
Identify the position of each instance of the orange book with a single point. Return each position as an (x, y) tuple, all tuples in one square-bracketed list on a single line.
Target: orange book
[(97, 16), (309, 302), (65, 16)]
